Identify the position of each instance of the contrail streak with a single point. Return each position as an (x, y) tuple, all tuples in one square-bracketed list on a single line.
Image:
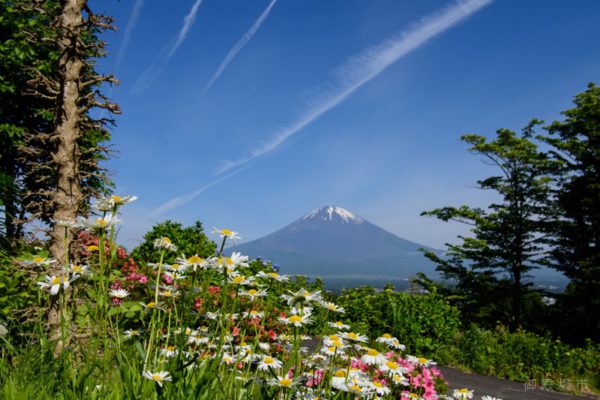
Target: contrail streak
[(178, 201), (137, 8), (146, 78), (364, 67), (188, 21), (240, 45), (352, 75)]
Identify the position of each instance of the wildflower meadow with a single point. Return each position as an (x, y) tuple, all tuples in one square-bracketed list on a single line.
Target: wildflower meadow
[(217, 327)]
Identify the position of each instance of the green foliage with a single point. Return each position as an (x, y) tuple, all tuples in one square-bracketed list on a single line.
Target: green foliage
[(487, 272), (190, 240), (576, 249), (425, 323), (522, 356), (18, 295)]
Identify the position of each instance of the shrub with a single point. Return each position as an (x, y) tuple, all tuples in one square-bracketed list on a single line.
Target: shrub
[(523, 356), (425, 323)]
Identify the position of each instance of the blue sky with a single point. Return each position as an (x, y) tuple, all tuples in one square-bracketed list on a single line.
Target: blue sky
[(248, 114)]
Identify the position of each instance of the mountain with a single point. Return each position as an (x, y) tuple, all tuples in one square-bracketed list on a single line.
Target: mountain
[(332, 242)]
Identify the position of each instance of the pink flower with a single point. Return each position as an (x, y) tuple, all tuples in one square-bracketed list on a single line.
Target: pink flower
[(143, 279)]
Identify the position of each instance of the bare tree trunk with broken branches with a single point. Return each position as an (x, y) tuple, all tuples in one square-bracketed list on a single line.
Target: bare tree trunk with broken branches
[(61, 163)]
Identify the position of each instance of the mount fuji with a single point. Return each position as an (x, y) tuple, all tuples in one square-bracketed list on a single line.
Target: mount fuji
[(333, 243)]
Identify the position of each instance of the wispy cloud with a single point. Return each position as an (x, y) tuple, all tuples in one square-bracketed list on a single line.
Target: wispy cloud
[(178, 201), (150, 74), (188, 21), (364, 67), (240, 45), (356, 72), (135, 14)]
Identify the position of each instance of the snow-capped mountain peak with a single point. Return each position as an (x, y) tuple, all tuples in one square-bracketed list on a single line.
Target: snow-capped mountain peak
[(333, 213)]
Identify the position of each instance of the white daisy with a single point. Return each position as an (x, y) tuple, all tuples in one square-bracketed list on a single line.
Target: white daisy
[(423, 362), (283, 381), (338, 325), (227, 233), (296, 320), (273, 275), (354, 337), (240, 280), (380, 388), (55, 282), (252, 294), (169, 351), (302, 296), (462, 394), (164, 243), (131, 333), (194, 261), (158, 377), (77, 270), (253, 314), (332, 307), (94, 223), (119, 293), (373, 357), (40, 261), (267, 362), (122, 200)]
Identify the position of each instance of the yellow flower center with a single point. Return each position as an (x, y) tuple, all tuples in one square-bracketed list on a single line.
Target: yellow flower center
[(239, 279), (274, 274), (101, 222), (295, 319), (337, 343), (117, 199), (157, 377), (338, 323), (39, 260), (378, 384), (334, 338), (166, 239), (340, 373), (372, 352), (151, 304), (226, 232), (268, 360), (352, 336), (134, 333), (77, 268), (194, 259), (285, 382), (422, 361), (229, 261), (391, 365), (56, 280), (331, 349), (92, 247), (387, 336), (253, 291), (355, 388), (464, 391)]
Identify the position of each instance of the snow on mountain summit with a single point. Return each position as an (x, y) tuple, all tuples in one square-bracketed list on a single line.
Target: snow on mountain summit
[(331, 213)]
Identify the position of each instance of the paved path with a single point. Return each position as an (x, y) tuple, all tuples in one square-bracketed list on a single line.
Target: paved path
[(501, 388)]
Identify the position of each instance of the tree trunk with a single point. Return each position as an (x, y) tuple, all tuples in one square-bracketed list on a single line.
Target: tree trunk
[(68, 197)]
